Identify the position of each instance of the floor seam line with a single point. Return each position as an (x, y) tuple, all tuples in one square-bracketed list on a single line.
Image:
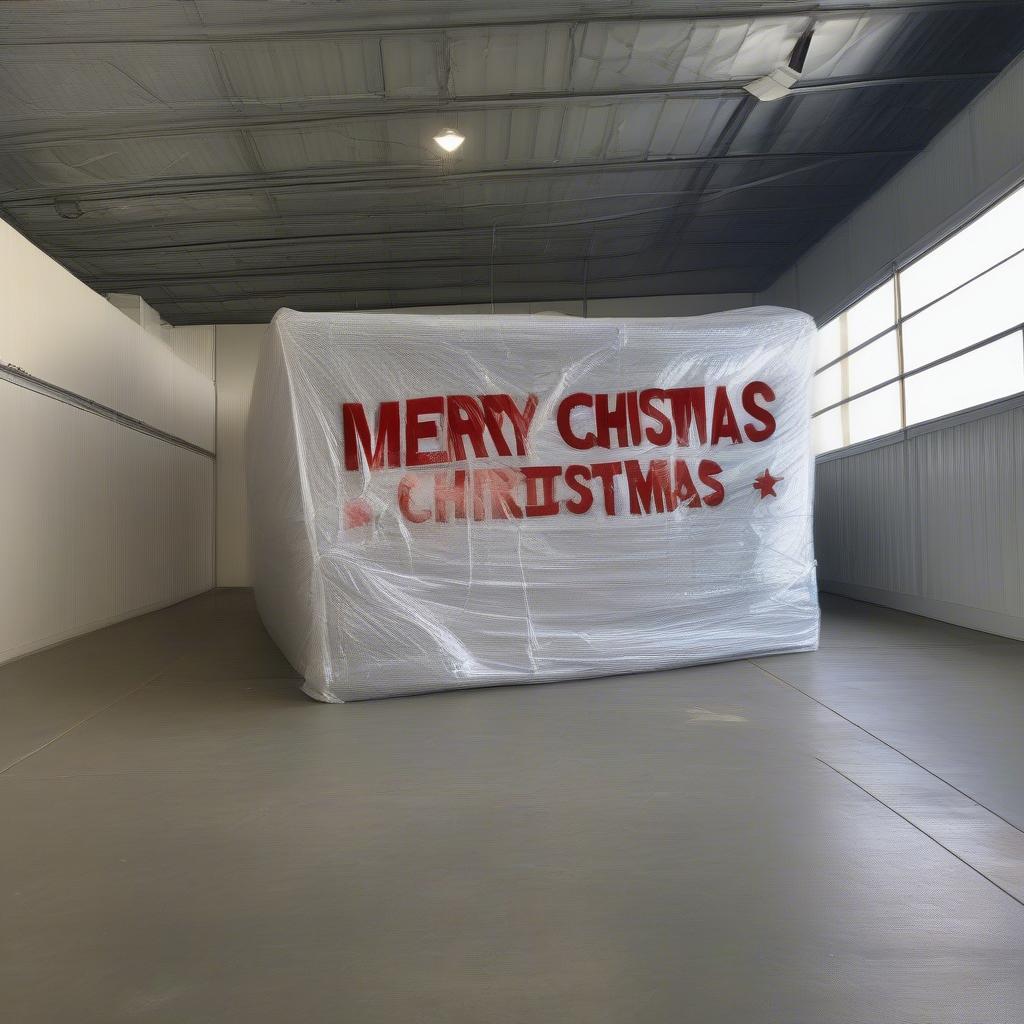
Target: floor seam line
[(885, 743), (914, 825), (81, 722)]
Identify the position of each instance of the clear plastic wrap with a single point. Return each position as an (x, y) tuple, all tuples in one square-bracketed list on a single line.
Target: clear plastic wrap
[(454, 501)]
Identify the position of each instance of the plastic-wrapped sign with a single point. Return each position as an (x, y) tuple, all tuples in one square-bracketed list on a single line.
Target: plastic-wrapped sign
[(455, 501)]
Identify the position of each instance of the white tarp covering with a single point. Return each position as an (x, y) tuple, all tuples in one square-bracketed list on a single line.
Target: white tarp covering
[(456, 501)]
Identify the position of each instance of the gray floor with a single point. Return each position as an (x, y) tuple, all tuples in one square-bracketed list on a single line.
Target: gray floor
[(812, 838)]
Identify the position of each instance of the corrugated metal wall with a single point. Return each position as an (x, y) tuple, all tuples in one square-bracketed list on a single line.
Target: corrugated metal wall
[(933, 524), (100, 521), (863, 513)]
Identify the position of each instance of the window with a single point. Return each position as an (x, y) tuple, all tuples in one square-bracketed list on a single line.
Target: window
[(994, 236), (944, 333), (858, 353), (984, 375)]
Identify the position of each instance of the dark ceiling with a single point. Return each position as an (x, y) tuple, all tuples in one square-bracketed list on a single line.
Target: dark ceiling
[(226, 158)]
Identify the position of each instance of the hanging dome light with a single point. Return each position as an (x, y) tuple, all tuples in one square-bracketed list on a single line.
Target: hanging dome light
[(449, 140)]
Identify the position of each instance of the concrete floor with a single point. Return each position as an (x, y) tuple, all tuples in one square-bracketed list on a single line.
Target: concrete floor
[(804, 839)]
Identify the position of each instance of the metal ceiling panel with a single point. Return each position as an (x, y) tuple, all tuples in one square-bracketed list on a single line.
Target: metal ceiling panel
[(690, 127), (223, 158), (53, 87), (412, 65), (307, 72), (396, 141), (506, 61), (853, 46), (82, 165), (631, 55)]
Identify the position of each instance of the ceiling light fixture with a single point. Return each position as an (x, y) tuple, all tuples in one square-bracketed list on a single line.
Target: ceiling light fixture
[(449, 141), (779, 83), (69, 209)]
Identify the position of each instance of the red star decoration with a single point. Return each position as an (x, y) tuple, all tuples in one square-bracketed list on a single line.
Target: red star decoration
[(357, 513), (765, 484)]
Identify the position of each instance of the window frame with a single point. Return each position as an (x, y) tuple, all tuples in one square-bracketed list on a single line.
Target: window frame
[(899, 319)]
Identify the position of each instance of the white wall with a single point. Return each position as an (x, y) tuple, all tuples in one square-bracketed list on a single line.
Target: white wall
[(237, 353), (978, 157), (238, 348), (65, 333), (98, 521), (930, 521)]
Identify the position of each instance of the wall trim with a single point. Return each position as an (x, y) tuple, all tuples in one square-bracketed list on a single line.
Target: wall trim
[(23, 379), (979, 619), (953, 419)]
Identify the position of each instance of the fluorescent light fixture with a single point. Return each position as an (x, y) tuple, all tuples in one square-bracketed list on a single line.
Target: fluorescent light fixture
[(778, 84), (449, 141)]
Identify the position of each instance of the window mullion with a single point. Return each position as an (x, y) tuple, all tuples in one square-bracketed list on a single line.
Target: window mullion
[(844, 373), (898, 299)]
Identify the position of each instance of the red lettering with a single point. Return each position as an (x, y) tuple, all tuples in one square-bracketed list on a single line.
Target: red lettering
[(633, 415), (405, 488), (417, 430), (502, 486), (606, 472), (723, 419), (643, 489), (449, 490), (685, 493), (496, 408), (574, 478), (609, 419), (479, 480), (688, 411), (465, 420), (521, 421), (708, 472), (547, 475), (754, 390), (663, 433), (376, 452), (565, 408)]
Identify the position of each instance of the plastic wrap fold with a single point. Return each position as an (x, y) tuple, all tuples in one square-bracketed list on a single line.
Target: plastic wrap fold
[(457, 501)]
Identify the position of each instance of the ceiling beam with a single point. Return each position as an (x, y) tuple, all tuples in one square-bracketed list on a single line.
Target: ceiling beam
[(152, 126), (113, 281), (372, 180), (265, 298), (60, 232), (699, 195), (137, 284), (279, 247), (682, 12)]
